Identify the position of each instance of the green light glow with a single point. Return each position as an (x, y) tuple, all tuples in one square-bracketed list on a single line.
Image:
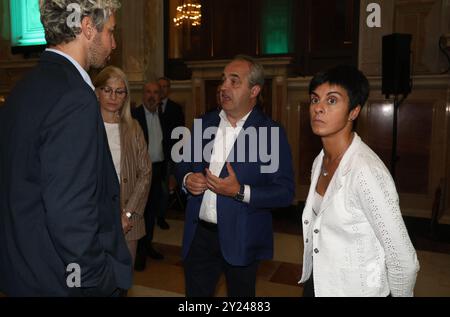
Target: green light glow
[(26, 27), (276, 36)]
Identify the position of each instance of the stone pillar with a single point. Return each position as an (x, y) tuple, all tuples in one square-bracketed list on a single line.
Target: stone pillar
[(154, 37), (140, 40)]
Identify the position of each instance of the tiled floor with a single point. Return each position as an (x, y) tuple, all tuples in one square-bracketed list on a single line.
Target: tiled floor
[(278, 278)]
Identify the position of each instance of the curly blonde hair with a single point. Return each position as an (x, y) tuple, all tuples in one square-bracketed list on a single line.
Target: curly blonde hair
[(55, 16)]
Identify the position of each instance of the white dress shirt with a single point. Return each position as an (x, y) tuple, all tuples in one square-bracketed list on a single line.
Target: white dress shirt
[(357, 243), (155, 136), (223, 144), (83, 73)]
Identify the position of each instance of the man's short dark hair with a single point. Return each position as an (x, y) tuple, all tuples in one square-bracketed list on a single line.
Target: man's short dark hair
[(347, 77), (256, 76)]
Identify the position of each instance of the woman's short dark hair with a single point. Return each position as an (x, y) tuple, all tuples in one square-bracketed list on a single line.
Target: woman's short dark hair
[(347, 77)]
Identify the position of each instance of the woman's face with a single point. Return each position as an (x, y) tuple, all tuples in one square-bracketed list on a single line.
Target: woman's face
[(112, 95), (329, 111)]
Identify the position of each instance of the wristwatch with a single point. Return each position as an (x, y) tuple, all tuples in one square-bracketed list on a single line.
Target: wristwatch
[(241, 194)]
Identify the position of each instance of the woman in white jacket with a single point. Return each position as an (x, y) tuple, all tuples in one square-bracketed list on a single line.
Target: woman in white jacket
[(355, 240)]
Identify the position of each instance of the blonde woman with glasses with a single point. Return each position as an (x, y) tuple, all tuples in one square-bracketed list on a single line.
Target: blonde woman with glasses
[(129, 151)]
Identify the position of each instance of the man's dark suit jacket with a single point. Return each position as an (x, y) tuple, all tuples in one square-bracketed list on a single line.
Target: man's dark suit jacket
[(170, 119), (245, 230), (59, 193)]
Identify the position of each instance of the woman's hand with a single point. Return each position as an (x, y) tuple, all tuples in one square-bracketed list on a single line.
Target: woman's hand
[(126, 223)]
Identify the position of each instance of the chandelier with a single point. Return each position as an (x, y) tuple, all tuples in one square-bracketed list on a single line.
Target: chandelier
[(189, 12)]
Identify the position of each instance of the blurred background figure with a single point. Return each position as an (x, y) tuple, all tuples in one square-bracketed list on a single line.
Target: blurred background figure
[(171, 116), (148, 117)]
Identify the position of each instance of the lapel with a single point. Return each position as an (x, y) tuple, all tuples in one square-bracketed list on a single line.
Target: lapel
[(210, 122), (139, 115), (254, 120), (340, 174), (315, 173)]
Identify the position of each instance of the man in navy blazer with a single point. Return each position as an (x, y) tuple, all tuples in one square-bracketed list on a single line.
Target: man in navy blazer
[(228, 226), (60, 220)]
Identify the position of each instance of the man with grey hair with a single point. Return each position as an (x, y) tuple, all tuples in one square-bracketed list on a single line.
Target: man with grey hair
[(60, 221), (228, 225)]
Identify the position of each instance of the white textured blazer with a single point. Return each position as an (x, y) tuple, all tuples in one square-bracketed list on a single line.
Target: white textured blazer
[(357, 243)]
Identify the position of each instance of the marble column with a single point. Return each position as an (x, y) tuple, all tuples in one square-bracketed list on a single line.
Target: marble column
[(140, 40)]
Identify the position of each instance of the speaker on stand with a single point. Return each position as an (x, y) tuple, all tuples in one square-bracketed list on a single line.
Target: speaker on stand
[(396, 80)]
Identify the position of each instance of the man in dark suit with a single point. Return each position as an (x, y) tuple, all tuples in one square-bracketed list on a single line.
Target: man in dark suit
[(148, 116), (171, 117), (60, 220), (228, 224)]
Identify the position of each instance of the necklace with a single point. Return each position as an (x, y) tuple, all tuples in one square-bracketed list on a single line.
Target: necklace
[(323, 169)]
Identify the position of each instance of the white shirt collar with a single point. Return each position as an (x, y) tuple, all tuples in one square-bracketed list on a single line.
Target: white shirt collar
[(148, 112), (81, 70), (240, 123)]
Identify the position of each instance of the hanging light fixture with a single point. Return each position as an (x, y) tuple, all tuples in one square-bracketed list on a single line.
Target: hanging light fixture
[(189, 12)]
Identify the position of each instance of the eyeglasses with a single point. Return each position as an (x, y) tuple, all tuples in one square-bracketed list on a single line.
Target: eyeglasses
[(118, 92)]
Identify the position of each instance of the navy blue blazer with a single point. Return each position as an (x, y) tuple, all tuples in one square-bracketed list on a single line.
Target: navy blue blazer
[(245, 230), (59, 193)]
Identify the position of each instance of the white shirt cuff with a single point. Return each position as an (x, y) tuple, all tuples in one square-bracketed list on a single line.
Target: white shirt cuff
[(184, 182), (247, 194)]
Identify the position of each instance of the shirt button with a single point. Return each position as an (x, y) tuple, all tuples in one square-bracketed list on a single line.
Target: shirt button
[(125, 180), (307, 240), (316, 231), (316, 251), (306, 222)]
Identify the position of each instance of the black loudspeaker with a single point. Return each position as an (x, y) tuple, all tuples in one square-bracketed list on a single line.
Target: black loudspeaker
[(397, 64)]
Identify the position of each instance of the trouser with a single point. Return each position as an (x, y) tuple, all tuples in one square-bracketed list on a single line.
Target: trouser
[(205, 263), (165, 195), (308, 287)]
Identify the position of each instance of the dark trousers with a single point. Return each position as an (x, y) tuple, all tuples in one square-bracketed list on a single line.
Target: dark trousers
[(308, 287), (204, 265), (154, 204), (165, 194)]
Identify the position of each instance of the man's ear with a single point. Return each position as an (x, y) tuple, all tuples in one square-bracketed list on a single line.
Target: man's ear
[(254, 92), (88, 28)]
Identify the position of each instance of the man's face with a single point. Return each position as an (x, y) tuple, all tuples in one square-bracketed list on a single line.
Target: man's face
[(152, 96), (235, 92), (102, 44), (165, 88)]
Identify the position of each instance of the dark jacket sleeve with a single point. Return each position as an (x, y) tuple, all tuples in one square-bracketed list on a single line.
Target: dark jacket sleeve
[(279, 190), (69, 159)]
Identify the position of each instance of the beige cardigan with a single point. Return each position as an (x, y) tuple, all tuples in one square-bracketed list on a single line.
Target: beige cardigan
[(135, 174)]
